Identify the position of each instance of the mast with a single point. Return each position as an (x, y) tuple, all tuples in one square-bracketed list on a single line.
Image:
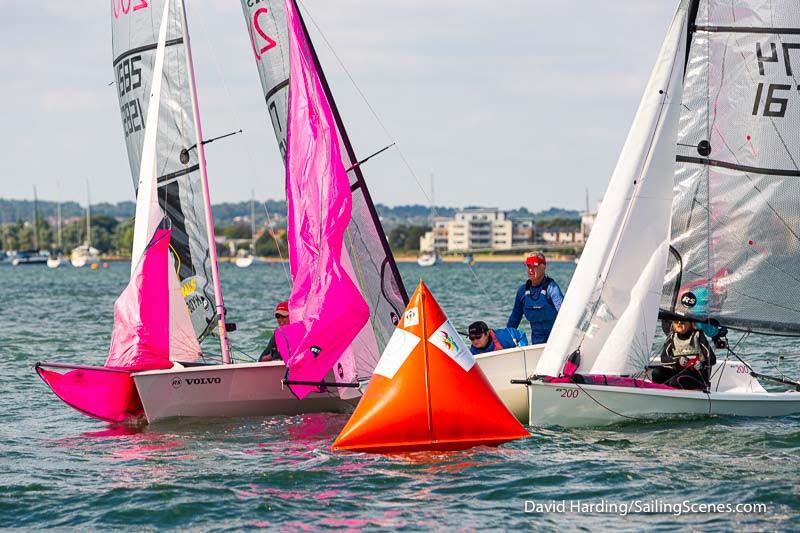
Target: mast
[(35, 221), (360, 182), (58, 217), (201, 156), (691, 27), (252, 222), (88, 218)]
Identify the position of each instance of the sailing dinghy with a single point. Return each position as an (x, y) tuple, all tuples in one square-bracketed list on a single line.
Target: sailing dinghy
[(153, 371), (366, 245), (151, 323), (716, 112), (365, 255), (329, 345)]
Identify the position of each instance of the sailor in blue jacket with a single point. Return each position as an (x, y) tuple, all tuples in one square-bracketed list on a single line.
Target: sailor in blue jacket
[(483, 339), (539, 300)]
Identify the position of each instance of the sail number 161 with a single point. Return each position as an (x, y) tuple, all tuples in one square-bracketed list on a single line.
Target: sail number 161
[(775, 101)]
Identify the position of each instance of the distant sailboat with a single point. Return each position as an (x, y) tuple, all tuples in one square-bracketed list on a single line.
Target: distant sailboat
[(432, 258), (85, 253), (429, 259), (245, 258), (54, 261), (34, 256)]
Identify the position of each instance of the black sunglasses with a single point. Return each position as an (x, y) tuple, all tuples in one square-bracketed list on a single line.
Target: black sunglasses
[(281, 316), (476, 337)]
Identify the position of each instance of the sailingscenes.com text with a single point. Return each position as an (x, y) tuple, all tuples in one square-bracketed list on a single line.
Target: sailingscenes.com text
[(640, 507)]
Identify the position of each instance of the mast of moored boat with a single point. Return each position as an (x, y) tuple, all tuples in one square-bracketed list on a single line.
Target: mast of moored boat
[(252, 222), (58, 218), (201, 157), (35, 221), (88, 218)]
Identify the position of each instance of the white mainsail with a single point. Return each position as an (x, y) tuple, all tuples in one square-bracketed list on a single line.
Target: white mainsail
[(609, 322), (134, 31), (149, 215)]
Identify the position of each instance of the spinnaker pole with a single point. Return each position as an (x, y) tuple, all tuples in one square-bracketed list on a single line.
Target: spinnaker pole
[(201, 157)]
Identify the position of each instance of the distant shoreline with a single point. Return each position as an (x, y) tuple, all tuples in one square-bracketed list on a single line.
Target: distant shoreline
[(405, 258)]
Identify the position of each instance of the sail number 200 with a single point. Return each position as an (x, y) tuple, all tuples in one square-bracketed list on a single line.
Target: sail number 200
[(773, 104)]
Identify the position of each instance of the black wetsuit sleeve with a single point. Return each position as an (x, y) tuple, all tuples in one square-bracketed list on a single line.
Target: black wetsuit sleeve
[(708, 353), (271, 350), (667, 351)]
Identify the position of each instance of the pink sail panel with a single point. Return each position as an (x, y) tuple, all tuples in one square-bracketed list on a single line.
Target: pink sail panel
[(97, 392), (140, 340), (326, 309)]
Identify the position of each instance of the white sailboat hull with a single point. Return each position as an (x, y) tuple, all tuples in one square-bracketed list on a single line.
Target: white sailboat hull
[(581, 405), (427, 260), (243, 262), (502, 366), (246, 389), (54, 262)]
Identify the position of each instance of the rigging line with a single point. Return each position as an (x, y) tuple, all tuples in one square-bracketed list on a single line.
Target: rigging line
[(274, 236), (713, 125), (248, 153), (481, 285), (607, 408), (364, 98)]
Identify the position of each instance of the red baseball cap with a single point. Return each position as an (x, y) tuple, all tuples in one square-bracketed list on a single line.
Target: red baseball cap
[(282, 309), (535, 260)]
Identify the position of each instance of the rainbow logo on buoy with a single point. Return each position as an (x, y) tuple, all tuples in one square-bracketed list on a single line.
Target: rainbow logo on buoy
[(450, 343)]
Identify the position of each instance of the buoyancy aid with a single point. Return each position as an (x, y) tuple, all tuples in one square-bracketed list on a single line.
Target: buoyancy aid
[(688, 347), (539, 309), (495, 341)]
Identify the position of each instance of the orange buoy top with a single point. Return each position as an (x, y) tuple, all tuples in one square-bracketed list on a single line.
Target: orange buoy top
[(426, 392)]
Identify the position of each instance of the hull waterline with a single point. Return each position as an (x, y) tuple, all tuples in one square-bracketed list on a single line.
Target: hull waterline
[(733, 393), (244, 389)]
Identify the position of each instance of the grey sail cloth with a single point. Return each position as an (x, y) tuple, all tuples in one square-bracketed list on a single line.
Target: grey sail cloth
[(735, 231), (373, 264), (134, 36)]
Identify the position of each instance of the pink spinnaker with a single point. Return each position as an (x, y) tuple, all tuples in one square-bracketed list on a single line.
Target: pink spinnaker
[(326, 309), (140, 341)]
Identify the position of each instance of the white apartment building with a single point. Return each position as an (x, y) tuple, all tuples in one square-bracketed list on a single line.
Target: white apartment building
[(475, 230)]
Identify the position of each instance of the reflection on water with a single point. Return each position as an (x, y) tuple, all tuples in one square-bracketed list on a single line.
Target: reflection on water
[(60, 469)]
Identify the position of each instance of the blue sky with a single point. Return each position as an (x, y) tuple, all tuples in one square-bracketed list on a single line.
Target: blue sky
[(507, 103)]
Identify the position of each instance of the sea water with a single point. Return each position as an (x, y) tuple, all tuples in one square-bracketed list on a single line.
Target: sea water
[(60, 469)]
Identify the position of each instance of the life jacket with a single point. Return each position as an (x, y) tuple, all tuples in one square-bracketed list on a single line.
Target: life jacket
[(495, 341), (689, 347), (539, 309)]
